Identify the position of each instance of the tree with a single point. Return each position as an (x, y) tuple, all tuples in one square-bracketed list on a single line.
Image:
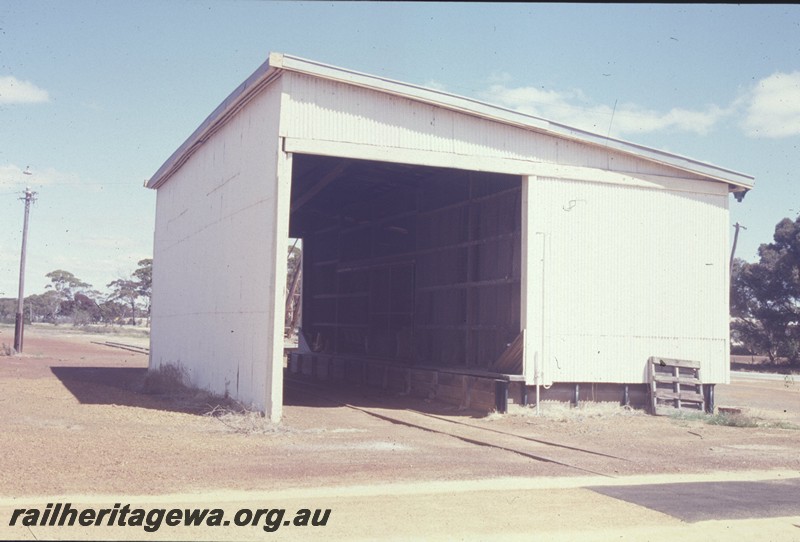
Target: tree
[(294, 286), (143, 276), (43, 307), (125, 291), (112, 311), (8, 309), (765, 297), (85, 310), (138, 286), (66, 285)]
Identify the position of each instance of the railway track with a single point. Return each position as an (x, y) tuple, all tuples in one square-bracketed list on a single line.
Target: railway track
[(129, 347), (536, 449)]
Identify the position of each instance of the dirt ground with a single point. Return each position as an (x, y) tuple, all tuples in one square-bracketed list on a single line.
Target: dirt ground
[(76, 422)]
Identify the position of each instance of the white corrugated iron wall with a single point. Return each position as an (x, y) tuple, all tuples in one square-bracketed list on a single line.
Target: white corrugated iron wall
[(214, 260), (326, 111), (629, 273)]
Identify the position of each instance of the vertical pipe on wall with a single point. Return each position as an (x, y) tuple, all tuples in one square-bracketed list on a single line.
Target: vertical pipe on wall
[(536, 368), (543, 321)]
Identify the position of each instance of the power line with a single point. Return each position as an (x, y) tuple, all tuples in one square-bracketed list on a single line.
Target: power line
[(735, 240)]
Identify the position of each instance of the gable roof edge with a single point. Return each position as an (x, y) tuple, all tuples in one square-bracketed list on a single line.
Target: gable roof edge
[(264, 76), (270, 70), (736, 180)]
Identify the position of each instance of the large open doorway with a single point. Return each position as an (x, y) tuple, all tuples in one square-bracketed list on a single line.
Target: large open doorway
[(408, 264)]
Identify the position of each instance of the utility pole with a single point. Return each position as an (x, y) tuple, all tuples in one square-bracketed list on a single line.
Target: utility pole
[(735, 239), (19, 325)]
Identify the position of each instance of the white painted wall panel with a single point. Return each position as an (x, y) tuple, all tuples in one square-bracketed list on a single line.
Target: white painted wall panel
[(327, 111), (628, 273), (215, 260)]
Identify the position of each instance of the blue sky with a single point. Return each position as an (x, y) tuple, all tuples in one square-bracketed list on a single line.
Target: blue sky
[(94, 96)]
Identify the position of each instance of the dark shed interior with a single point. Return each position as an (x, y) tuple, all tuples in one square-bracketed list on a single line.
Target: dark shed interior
[(411, 264)]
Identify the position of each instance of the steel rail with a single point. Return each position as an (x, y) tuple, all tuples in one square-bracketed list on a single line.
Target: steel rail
[(303, 386)]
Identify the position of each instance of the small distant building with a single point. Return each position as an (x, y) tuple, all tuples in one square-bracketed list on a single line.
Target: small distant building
[(438, 232)]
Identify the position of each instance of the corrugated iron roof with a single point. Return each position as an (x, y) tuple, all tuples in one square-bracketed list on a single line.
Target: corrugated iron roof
[(278, 62)]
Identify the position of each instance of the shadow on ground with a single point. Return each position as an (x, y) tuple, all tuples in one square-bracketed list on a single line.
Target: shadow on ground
[(118, 386), (704, 501), (128, 386), (300, 392)]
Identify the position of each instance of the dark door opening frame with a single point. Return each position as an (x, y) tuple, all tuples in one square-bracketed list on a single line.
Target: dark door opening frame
[(413, 264)]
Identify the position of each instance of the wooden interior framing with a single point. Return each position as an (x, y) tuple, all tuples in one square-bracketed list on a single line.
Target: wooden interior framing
[(410, 264)]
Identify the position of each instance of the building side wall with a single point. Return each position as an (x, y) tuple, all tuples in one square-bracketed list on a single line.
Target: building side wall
[(618, 274), (215, 260), (635, 251)]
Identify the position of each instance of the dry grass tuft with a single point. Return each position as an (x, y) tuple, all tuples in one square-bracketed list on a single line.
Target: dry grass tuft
[(733, 420), (242, 420), (167, 379), (565, 412), (7, 350), (169, 382)]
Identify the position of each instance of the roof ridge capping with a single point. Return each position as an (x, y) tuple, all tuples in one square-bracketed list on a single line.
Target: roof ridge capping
[(739, 183)]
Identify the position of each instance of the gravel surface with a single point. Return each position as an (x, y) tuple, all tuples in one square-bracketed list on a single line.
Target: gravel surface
[(75, 420)]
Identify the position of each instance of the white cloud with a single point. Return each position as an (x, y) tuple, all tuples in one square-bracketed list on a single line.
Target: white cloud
[(574, 108), (14, 91), (633, 119), (773, 106)]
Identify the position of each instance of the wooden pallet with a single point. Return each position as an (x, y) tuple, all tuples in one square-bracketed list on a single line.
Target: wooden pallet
[(675, 384)]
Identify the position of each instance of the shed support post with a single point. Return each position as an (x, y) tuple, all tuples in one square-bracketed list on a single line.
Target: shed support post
[(709, 389), (272, 385), (501, 395)]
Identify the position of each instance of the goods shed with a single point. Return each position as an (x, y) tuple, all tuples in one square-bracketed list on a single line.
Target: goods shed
[(447, 243)]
